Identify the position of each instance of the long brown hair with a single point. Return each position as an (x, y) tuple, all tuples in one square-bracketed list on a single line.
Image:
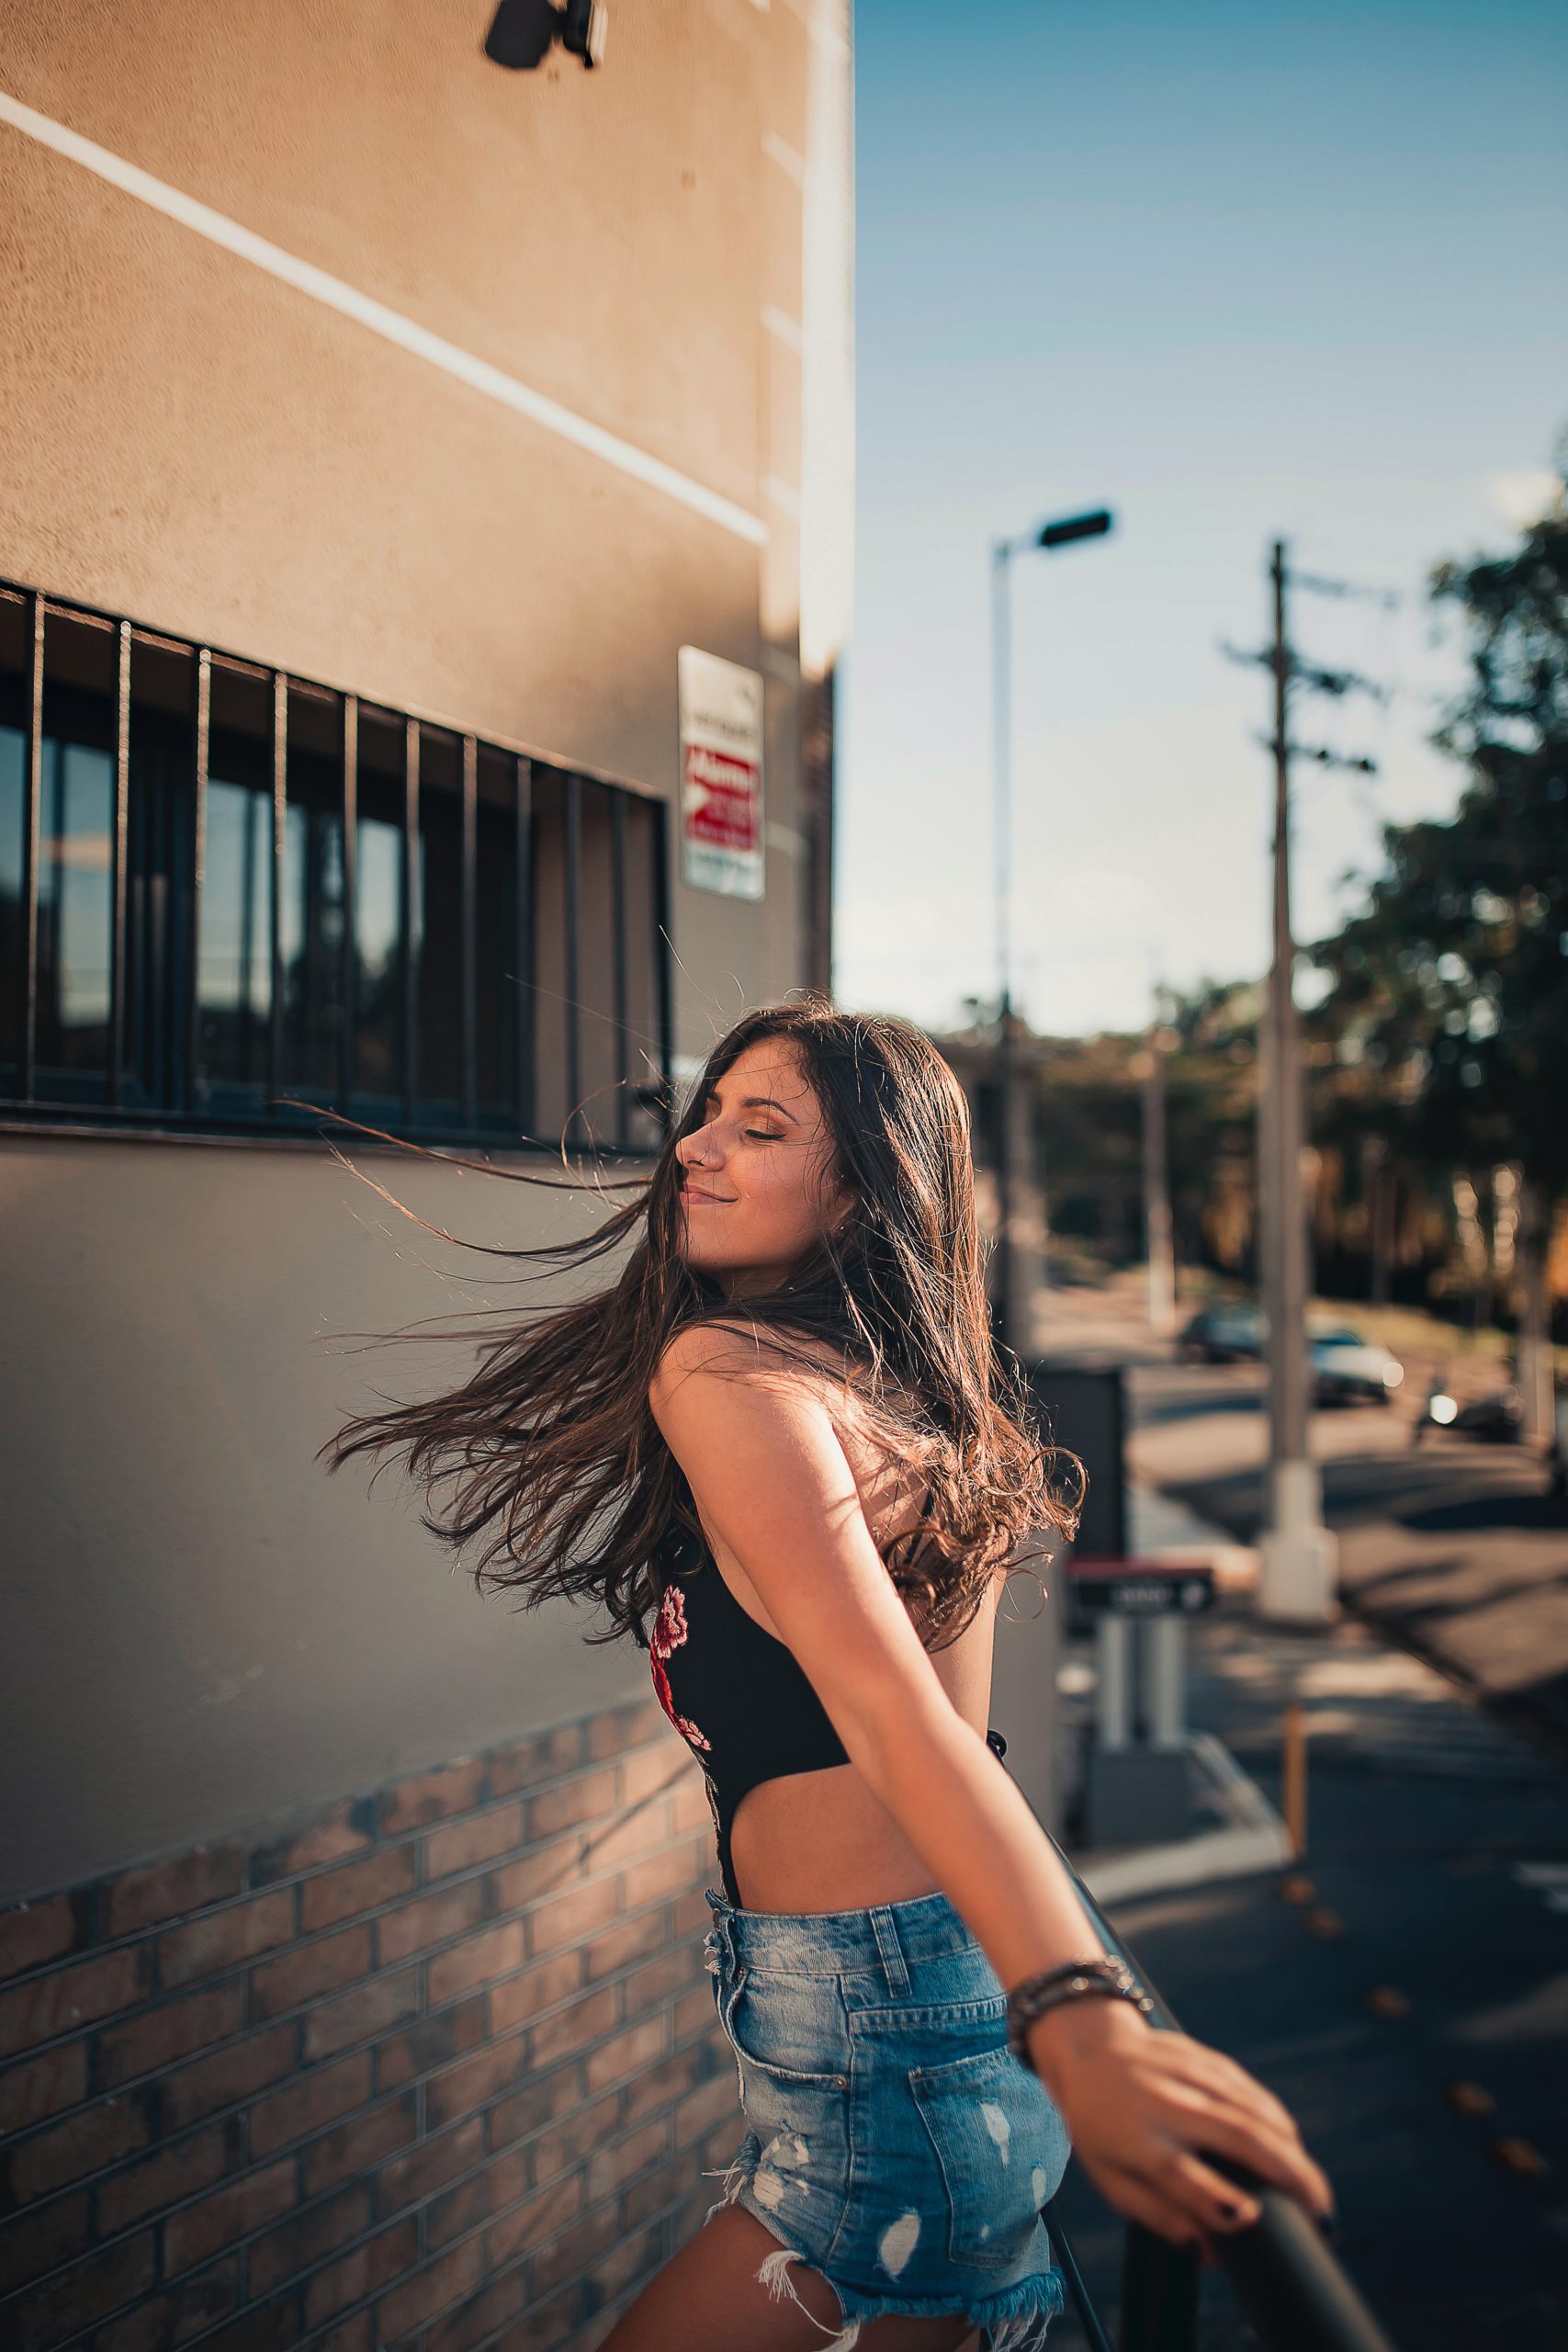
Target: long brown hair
[(552, 1451)]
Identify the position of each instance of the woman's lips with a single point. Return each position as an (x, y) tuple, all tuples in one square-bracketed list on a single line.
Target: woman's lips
[(694, 1199)]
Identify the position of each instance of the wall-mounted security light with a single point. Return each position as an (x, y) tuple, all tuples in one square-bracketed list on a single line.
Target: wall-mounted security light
[(522, 32)]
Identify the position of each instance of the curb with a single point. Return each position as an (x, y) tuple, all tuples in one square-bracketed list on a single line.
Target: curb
[(1254, 1838)]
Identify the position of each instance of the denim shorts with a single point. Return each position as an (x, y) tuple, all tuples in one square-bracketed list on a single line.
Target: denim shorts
[(896, 2144)]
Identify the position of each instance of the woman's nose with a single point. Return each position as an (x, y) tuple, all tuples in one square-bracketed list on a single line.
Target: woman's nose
[(698, 1147)]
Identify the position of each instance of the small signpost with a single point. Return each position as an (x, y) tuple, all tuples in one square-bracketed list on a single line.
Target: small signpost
[(1138, 1589), (721, 775), (1137, 1782)]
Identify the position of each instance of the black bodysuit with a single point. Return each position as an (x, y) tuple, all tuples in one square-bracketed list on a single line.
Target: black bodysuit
[(738, 1697)]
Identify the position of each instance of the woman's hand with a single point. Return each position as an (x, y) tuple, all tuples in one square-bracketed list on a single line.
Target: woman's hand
[(1144, 2109)]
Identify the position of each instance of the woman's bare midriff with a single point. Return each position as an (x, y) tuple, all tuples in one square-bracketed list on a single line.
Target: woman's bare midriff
[(822, 1841)]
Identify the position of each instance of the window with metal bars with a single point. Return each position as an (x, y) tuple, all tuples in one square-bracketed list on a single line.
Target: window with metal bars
[(221, 886)]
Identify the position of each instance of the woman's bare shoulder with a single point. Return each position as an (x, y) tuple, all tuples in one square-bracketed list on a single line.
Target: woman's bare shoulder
[(796, 1367), (733, 1346)]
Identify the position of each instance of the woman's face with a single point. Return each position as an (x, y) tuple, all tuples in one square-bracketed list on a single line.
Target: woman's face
[(757, 1188)]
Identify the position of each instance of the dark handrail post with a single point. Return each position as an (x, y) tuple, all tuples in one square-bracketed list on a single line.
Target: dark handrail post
[(1159, 2294), (1078, 2286), (1283, 2275)]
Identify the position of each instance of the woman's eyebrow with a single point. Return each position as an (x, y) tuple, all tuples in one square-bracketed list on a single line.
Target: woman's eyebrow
[(762, 1102)]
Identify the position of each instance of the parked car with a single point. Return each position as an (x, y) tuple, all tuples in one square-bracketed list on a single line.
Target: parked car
[(1498, 1417), (1230, 1333), (1349, 1368)]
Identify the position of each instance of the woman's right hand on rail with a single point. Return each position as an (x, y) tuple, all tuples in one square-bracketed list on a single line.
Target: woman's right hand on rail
[(1147, 2109)]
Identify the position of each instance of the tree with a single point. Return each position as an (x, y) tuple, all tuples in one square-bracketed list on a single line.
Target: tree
[(1454, 975)]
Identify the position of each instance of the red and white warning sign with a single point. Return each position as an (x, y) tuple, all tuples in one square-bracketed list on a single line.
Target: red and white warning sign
[(721, 775)]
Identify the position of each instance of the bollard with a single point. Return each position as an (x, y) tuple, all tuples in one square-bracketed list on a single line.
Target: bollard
[(1293, 1778), (1137, 1772)]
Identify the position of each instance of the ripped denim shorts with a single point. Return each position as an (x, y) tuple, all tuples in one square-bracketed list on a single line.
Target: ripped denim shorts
[(896, 2144)]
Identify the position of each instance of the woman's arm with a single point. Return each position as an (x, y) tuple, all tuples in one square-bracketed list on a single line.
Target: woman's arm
[(774, 1486)]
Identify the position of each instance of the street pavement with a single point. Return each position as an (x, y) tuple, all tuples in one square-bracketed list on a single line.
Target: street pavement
[(1454, 1548), (1404, 1989)]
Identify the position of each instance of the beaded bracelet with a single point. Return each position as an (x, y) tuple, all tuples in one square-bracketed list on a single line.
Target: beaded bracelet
[(1077, 1980)]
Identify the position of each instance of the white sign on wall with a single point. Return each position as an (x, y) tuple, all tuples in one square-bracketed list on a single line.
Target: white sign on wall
[(721, 775)]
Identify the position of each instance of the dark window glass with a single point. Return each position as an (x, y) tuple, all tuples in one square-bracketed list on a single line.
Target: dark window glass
[(312, 908), (552, 1007), (645, 1055), (378, 915), (567, 959), (603, 1108), (76, 810), (13, 760), (234, 971), (500, 979), (160, 864), (438, 901)]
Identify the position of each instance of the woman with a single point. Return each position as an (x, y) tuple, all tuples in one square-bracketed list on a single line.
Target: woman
[(779, 1449)]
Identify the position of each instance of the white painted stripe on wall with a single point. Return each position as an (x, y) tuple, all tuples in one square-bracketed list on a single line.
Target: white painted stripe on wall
[(779, 322), (336, 294), (787, 158), (826, 22)]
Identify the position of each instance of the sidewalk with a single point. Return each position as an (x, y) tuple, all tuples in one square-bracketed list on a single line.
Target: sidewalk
[(1404, 1989)]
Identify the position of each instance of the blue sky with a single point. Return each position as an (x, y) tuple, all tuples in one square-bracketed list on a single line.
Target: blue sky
[(1234, 273)]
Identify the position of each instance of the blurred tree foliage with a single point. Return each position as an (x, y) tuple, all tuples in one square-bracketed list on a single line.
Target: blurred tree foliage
[(1088, 1130), (1448, 992)]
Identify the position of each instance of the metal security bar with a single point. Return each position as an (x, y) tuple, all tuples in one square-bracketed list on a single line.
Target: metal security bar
[(222, 886)]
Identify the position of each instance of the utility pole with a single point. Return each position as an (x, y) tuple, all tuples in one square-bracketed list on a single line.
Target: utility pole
[(1300, 1557), (1533, 1373), (1159, 1244), (1379, 1178)]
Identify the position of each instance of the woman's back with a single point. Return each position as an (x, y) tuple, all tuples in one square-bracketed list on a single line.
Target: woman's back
[(814, 1838)]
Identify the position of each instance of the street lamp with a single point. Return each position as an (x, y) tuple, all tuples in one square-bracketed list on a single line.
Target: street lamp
[(1059, 534)]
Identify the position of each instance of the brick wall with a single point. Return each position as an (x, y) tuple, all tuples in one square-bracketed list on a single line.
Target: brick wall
[(434, 2069)]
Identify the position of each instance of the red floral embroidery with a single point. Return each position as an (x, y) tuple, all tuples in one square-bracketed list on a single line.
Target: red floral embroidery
[(669, 1633)]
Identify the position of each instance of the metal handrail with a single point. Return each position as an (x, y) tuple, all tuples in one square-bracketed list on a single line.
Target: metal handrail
[(1282, 2269)]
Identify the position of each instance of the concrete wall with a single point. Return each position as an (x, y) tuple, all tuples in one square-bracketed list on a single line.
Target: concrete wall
[(204, 1629)]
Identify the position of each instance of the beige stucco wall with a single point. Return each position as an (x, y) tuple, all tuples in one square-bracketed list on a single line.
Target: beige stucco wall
[(202, 1629), (197, 443)]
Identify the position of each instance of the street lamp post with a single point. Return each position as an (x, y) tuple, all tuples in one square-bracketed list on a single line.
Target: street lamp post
[(1010, 1319), (1158, 1236)]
